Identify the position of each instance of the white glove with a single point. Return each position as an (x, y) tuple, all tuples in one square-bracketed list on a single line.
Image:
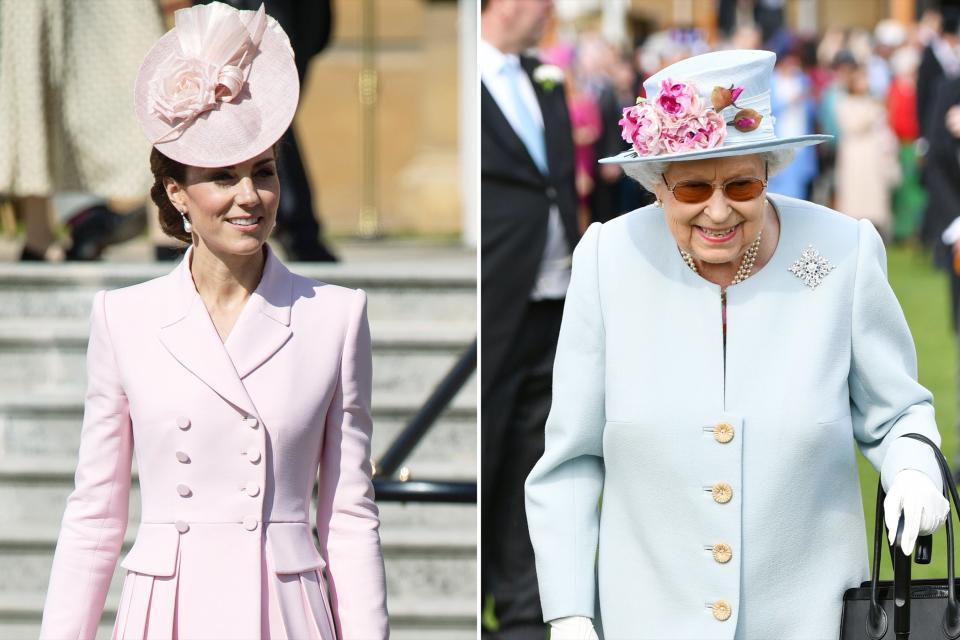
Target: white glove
[(572, 628), (924, 508)]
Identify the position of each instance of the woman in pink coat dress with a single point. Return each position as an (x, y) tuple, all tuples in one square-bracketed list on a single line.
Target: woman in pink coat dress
[(234, 381)]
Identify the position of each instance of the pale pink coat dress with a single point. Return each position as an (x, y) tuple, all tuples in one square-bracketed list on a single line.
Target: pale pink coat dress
[(229, 438)]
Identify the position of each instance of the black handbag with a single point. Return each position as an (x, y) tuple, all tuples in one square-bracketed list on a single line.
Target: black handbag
[(902, 609)]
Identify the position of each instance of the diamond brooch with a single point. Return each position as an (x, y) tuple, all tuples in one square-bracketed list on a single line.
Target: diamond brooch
[(812, 268)]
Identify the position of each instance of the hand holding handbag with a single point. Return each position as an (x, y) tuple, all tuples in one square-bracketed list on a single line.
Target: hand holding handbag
[(923, 609)]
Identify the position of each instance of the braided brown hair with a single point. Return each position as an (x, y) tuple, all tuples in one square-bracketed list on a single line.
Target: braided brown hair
[(165, 167)]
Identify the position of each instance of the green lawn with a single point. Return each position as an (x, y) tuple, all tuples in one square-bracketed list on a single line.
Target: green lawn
[(924, 295)]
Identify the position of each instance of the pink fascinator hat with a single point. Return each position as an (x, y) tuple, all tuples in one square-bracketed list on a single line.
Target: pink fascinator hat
[(219, 88)]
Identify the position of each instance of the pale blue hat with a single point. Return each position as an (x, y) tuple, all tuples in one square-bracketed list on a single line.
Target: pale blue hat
[(750, 69)]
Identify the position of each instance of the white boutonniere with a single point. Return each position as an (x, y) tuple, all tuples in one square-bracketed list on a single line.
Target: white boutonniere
[(548, 76)]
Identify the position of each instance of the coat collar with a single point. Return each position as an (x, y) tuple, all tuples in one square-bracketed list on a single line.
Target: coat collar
[(261, 329)]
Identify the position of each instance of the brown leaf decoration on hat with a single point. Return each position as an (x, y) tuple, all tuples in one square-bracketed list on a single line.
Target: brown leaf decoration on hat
[(746, 120), (723, 97)]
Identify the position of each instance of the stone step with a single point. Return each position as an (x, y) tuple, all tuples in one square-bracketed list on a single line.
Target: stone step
[(50, 355), (447, 620), (48, 425), (396, 292), (34, 493)]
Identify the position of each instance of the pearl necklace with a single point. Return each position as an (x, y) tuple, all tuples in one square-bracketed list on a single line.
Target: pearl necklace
[(744, 271)]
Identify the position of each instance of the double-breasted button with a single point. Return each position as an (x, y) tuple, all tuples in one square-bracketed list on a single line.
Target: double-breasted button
[(183, 422), (183, 490), (253, 423), (183, 457), (253, 454), (721, 492), (252, 489), (721, 610), (722, 552), (250, 523), (723, 432), (181, 526)]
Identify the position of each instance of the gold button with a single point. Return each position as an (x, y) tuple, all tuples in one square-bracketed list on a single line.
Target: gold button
[(722, 610), (722, 553), (723, 433), (722, 492)]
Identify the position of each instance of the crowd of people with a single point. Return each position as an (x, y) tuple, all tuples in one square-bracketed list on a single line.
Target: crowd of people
[(66, 69), (875, 91)]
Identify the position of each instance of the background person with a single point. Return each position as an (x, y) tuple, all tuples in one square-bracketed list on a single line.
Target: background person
[(527, 230)]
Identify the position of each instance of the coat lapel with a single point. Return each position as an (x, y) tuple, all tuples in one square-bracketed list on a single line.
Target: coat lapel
[(264, 324), (548, 110), (497, 123), (189, 335)]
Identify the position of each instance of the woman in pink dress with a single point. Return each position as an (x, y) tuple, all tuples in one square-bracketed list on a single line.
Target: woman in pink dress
[(235, 382)]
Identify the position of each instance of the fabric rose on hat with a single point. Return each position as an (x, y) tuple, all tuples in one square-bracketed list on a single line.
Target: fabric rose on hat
[(183, 90), (704, 131), (678, 101), (678, 119), (641, 128)]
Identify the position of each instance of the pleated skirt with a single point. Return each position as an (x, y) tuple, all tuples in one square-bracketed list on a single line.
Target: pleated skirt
[(292, 607)]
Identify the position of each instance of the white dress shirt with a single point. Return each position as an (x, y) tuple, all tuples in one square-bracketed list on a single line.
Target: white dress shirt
[(554, 274)]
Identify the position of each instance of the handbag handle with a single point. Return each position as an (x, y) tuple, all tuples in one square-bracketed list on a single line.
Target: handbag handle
[(877, 618)]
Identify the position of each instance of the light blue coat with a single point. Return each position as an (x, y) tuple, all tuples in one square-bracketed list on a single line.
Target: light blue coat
[(639, 384)]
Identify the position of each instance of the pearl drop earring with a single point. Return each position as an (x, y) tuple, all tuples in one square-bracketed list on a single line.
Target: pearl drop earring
[(186, 223), (659, 203)]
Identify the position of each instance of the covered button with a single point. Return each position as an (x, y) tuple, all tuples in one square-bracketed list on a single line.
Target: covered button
[(181, 526), (253, 423), (183, 457), (250, 523), (723, 432), (722, 492), (722, 552), (721, 610), (253, 454), (252, 489), (183, 422), (183, 490)]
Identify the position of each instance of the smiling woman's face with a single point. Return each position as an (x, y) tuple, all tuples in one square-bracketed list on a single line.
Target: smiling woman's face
[(718, 230), (232, 209)]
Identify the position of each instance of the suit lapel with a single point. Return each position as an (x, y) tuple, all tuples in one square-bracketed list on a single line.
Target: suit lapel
[(264, 324), (548, 110), (498, 125)]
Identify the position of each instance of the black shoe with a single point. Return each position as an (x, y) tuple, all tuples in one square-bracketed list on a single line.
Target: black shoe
[(300, 250), (90, 231), (167, 254), (29, 255)]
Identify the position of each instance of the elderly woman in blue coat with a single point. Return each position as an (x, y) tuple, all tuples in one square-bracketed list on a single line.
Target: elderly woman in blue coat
[(721, 353)]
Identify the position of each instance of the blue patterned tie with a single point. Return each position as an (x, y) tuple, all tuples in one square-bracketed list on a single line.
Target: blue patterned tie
[(530, 132)]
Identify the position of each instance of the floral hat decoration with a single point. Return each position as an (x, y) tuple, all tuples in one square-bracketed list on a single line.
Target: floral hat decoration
[(711, 105), (219, 88)]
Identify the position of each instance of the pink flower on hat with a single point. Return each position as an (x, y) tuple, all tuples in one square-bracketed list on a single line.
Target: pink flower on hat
[(677, 120), (641, 128), (705, 131), (183, 90), (678, 100)]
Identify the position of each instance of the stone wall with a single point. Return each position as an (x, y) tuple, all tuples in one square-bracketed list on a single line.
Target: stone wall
[(416, 127)]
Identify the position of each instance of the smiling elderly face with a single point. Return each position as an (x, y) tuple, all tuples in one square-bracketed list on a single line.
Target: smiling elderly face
[(719, 229)]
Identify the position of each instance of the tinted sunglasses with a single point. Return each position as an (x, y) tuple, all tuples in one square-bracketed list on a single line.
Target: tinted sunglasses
[(697, 191)]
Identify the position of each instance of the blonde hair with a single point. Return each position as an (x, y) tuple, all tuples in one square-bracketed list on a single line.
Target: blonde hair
[(648, 174)]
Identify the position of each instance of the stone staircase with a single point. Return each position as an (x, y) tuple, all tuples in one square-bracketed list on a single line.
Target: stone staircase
[(422, 316)]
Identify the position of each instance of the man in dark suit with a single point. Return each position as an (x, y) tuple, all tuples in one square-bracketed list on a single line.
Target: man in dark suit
[(308, 24), (528, 230)]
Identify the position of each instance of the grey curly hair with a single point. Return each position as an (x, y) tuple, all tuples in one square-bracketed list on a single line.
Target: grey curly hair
[(649, 174)]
